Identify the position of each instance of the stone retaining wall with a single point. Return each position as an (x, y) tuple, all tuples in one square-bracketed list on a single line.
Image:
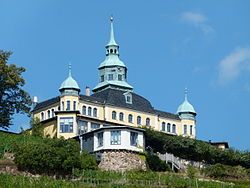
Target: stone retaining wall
[(121, 161)]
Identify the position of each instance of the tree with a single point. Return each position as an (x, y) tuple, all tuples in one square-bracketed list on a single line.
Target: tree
[(36, 129), (13, 99)]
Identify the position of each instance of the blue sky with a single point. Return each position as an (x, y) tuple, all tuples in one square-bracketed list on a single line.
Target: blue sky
[(166, 45)]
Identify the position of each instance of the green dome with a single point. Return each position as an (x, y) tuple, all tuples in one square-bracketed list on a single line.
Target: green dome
[(186, 107), (69, 83)]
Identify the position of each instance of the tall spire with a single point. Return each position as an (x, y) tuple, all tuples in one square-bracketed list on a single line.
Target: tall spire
[(186, 93), (112, 36), (69, 69)]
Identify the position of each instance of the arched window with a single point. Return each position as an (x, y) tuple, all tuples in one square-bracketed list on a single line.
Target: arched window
[(185, 129), (168, 127), (174, 129), (163, 126), (53, 112), (114, 115), (42, 116), (84, 110), (130, 118), (147, 122), (191, 129), (121, 116), (95, 112), (89, 111), (138, 120), (48, 112)]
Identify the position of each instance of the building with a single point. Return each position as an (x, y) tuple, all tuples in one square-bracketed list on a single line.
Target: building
[(112, 103)]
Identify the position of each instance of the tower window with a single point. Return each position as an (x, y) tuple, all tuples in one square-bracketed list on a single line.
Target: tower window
[(147, 122), (191, 129), (114, 115), (115, 51), (111, 50), (119, 77), (138, 120), (163, 126), (130, 118), (185, 129), (62, 106), (74, 105), (102, 78), (68, 106), (121, 116), (110, 77)]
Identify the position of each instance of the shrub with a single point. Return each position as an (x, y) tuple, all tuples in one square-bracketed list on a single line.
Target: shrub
[(48, 156), (191, 171), (221, 171), (156, 164), (87, 162)]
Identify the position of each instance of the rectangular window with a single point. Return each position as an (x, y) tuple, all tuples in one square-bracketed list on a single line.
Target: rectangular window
[(110, 77), (185, 129), (133, 138), (100, 139), (82, 127), (62, 106), (119, 77), (115, 138), (102, 78), (74, 105), (66, 124), (95, 126), (68, 106), (191, 130)]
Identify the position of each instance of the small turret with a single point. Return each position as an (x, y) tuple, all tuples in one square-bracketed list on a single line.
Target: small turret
[(186, 110), (69, 86)]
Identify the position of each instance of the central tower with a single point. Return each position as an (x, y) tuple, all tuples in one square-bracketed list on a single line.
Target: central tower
[(112, 71)]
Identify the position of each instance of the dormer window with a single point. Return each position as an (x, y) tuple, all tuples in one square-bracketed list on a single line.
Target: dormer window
[(128, 97)]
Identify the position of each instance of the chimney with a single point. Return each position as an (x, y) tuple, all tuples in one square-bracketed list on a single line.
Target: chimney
[(87, 91)]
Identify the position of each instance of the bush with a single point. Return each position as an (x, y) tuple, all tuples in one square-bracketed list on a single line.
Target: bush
[(156, 164), (87, 162), (221, 171), (195, 150), (48, 156), (191, 171)]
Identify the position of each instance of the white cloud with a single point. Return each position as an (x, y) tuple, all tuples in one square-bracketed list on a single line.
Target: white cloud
[(198, 20), (232, 65)]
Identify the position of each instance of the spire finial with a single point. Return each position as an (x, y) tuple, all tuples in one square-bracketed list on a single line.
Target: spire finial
[(69, 69), (186, 92), (112, 36)]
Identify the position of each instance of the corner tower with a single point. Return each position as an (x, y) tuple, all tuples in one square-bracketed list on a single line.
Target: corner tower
[(112, 71)]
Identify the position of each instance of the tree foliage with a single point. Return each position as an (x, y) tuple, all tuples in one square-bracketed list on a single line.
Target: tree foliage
[(13, 99), (36, 128), (195, 150), (156, 164)]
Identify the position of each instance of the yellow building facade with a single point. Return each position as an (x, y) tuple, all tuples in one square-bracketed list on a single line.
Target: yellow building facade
[(112, 102)]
